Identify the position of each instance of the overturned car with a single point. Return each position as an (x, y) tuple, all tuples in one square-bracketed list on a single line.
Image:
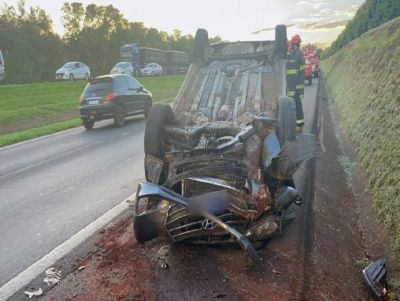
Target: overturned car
[(219, 164)]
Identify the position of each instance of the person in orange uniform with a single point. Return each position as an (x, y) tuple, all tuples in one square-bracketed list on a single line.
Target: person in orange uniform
[(291, 72), (298, 57)]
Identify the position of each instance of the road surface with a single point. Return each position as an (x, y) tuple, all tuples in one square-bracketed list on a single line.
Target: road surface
[(52, 187)]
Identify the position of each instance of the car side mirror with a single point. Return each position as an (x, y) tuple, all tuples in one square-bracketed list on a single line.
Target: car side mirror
[(140, 89)]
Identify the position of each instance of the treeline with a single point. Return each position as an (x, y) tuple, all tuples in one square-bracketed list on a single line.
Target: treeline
[(370, 15), (92, 34)]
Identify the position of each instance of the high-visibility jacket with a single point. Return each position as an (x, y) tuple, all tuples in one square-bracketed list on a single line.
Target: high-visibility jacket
[(292, 70), (301, 65)]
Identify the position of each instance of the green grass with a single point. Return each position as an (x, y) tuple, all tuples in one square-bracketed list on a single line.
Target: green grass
[(364, 80), (33, 110), (11, 138)]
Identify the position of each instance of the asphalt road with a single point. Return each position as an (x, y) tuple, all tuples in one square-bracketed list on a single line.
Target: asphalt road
[(52, 187)]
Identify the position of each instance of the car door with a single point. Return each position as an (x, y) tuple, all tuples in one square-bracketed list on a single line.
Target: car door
[(137, 96), (82, 70), (123, 94), (75, 71)]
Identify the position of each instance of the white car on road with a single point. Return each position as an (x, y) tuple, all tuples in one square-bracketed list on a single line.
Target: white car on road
[(2, 69), (72, 71), (123, 68), (152, 69)]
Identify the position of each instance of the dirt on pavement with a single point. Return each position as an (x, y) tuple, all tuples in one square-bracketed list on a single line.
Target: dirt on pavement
[(314, 260)]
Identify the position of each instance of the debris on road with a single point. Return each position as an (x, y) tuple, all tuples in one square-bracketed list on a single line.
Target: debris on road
[(375, 278), (53, 276), (36, 293)]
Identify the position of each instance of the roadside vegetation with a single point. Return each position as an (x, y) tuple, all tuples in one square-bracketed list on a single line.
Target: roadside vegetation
[(371, 14), (34, 110), (93, 34), (364, 80)]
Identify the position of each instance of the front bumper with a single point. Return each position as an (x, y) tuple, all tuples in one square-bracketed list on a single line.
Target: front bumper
[(62, 76), (97, 112), (208, 218)]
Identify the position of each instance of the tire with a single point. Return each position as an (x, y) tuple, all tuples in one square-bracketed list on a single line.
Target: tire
[(86, 77), (147, 110), (119, 117), (158, 117), (200, 46), (281, 41), (71, 78), (286, 120), (88, 124)]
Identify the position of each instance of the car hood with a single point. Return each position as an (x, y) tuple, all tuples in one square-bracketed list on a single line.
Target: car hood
[(63, 70)]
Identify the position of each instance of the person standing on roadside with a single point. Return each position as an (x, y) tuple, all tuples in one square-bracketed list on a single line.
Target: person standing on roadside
[(291, 72), (298, 57)]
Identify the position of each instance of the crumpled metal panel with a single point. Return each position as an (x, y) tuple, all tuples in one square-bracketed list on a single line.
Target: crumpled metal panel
[(293, 154)]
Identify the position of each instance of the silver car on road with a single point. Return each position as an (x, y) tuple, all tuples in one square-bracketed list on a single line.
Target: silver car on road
[(2, 69), (72, 71), (152, 69), (123, 68)]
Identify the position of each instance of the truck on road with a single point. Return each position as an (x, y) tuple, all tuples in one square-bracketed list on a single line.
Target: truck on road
[(171, 61)]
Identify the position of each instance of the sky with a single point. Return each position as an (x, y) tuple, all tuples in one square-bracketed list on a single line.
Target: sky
[(315, 20)]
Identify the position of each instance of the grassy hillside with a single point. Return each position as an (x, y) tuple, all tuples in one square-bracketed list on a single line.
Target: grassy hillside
[(364, 80), (370, 15), (51, 107)]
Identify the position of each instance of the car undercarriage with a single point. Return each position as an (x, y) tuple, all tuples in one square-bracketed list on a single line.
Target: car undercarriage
[(219, 165)]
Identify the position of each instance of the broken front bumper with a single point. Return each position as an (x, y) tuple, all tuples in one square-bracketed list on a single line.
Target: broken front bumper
[(205, 218)]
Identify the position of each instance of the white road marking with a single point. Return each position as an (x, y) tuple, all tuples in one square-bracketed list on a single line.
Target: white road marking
[(30, 273)]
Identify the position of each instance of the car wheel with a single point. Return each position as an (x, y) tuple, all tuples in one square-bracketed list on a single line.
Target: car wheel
[(88, 124), (119, 117), (158, 117), (71, 78), (281, 41), (200, 45), (147, 111), (86, 77), (286, 120)]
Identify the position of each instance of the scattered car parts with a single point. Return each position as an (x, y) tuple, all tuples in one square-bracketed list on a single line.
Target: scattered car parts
[(375, 278)]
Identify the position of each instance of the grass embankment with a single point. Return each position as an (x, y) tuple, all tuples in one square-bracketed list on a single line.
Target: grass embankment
[(33, 110), (364, 80)]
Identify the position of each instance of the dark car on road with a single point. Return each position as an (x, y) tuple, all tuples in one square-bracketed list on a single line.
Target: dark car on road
[(113, 96)]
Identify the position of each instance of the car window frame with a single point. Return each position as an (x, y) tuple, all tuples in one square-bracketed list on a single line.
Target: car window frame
[(130, 80), (118, 82)]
